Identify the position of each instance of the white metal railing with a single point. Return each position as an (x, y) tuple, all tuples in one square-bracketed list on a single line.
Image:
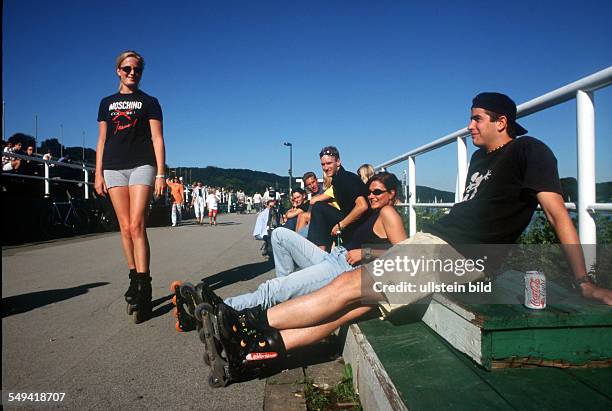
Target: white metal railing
[(581, 90), (48, 164)]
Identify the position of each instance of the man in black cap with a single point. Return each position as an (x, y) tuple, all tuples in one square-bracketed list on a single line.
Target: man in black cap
[(508, 177)]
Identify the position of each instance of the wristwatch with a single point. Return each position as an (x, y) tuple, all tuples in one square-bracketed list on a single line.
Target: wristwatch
[(367, 254), (589, 278)]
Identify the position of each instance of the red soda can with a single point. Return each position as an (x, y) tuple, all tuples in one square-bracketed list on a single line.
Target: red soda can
[(535, 290)]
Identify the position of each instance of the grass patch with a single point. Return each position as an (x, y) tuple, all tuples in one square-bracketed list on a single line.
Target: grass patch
[(340, 397)]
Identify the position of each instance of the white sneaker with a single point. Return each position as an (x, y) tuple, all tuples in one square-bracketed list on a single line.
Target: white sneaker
[(173, 225)]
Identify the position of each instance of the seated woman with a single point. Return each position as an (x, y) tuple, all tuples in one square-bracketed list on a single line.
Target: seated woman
[(317, 267), (365, 171)]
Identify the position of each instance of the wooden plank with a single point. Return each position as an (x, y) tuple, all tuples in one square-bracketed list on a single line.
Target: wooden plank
[(599, 380), (575, 346), (426, 373), (463, 335), (503, 309), (549, 388), (430, 374)]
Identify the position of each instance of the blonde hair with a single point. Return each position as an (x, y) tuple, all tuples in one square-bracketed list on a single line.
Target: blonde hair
[(126, 54), (129, 53), (327, 181), (365, 171)]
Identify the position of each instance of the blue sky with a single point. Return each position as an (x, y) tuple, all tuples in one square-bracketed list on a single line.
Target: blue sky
[(237, 79)]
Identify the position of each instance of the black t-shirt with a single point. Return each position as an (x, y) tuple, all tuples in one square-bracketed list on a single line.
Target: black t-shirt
[(128, 136), (347, 187), (291, 223), (500, 194)]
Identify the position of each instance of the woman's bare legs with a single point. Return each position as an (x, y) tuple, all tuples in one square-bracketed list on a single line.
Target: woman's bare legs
[(140, 195), (130, 205), (318, 307), (120, 197), (302, 337)]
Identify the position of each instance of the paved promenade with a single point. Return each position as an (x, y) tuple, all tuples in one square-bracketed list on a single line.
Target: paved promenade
[(65, 329)]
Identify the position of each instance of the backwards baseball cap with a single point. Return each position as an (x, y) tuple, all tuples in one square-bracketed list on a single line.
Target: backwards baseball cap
[(500, 104)]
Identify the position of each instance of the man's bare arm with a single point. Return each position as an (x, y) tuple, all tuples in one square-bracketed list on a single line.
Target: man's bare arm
[(557, 215)]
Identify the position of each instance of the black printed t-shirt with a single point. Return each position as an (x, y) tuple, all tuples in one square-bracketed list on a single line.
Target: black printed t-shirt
[(347, 187), (128, 136), (500, 194)]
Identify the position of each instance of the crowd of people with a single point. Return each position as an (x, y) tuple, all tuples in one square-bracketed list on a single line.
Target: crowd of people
[(324, 262), (326, 244), (200, 201)]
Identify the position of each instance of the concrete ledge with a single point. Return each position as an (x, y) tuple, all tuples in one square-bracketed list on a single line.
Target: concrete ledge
[(371, 381)]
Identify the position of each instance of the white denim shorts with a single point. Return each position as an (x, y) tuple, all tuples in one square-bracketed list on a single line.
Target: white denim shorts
[(141, 175)]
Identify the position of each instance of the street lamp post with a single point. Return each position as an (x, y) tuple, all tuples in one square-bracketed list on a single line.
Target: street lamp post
[(61, 140), (290, 164)]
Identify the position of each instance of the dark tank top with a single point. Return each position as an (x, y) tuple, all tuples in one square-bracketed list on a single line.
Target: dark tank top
[(364, 234)]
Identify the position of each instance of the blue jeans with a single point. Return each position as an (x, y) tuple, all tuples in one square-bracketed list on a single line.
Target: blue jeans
[(176, 213), (318, 269), (291, 250)]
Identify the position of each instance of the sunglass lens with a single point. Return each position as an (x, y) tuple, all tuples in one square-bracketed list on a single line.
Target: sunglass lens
[(128, 69)]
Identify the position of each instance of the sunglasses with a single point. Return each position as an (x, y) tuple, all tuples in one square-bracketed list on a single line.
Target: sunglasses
[(328, 153), (128, 69), (378, 191)]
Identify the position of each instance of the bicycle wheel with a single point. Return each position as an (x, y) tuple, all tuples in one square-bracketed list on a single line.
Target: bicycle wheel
[(85, 226), (49, 223), (76, 221)]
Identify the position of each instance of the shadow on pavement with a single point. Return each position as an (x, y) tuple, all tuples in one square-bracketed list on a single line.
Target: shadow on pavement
[(240, 273), (18, 304), (159, 311)]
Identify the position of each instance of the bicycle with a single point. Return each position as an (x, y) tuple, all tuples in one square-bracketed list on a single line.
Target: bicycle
[(63, 218)]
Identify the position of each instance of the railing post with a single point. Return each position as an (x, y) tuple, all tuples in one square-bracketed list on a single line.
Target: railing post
[(462, 168), (405, 184), (412, 196), (86, 182), (585, 134), (47, 191)]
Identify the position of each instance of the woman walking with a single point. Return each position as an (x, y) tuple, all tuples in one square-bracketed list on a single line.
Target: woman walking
[(130, 160)]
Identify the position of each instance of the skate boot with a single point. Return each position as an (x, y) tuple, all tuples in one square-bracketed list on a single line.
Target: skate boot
[(251, 357), (241, 325), (140, 307), (131, 291), (209, 296)]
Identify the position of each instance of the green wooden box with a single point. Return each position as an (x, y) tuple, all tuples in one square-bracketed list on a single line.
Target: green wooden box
[(570, 332)]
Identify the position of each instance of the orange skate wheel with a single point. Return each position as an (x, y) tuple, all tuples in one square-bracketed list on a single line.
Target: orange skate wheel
[(174, 285), (234, 328), (174, 301), (242, 343), (177, 326), (262, 344)]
